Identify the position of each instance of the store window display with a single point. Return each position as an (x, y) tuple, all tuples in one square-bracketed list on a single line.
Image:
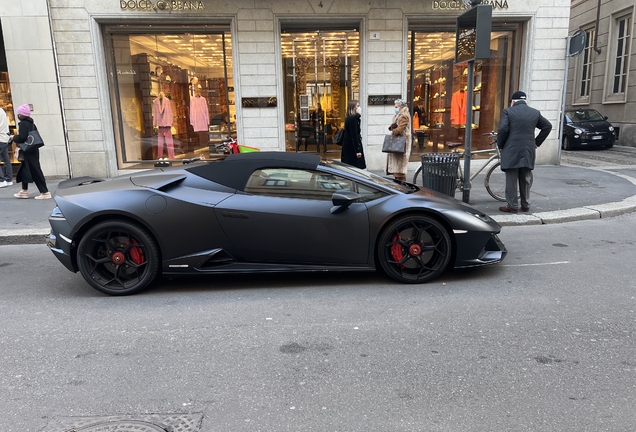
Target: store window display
[(322, 74), (438, 88), (167, 89)]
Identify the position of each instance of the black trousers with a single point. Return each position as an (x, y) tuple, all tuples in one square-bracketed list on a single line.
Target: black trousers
[(31, 172)]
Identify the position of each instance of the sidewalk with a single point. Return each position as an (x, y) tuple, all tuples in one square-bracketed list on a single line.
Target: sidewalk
[(559, 194)]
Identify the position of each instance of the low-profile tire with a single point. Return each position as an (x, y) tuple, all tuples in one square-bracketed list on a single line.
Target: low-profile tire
[(566, 144), (495, 182), (118, 257), (414, 249)]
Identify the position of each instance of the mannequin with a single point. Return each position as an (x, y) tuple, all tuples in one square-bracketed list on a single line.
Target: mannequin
[(162, 118), (200, 117)]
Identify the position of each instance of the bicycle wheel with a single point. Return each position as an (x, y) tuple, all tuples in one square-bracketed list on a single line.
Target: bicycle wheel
[(416, 175), (495, 182)]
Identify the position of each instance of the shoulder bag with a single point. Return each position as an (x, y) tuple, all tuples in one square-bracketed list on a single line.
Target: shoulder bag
[(394, 144), (339, 137), (33, 141)]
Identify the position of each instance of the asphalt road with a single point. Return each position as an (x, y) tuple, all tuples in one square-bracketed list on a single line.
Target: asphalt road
[(541, 342)]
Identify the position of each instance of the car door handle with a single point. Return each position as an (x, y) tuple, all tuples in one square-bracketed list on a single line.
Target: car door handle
[(235, 215)]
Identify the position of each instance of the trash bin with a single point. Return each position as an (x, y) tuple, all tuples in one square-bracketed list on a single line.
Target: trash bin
[(439, 172)]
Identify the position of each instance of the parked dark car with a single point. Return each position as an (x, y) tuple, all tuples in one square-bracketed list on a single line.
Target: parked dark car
[(262, 212), (587, 128)]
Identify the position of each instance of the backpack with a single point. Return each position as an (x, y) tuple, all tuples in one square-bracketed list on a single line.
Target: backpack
[(339, 137)]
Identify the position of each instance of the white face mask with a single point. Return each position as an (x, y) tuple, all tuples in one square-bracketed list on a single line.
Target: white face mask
[(397, 110), (359, 110)]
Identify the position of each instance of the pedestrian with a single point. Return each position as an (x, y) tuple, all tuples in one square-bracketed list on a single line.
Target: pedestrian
[(518, 145), (7, 177), (352, 151), (397, 163), (30, 170)]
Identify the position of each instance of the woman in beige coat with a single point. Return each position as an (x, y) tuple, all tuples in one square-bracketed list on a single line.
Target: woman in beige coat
[(396, 163)]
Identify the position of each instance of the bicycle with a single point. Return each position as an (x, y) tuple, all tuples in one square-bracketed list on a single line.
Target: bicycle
[(495, 180)]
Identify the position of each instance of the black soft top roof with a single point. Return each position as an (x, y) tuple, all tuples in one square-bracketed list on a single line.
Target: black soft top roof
[(234, 170)]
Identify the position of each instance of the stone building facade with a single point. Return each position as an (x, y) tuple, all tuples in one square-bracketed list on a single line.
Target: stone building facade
[(276, 75), (603, 76)]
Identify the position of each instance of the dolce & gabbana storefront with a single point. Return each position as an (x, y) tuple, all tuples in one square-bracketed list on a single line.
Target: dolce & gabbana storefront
[(143, 81)]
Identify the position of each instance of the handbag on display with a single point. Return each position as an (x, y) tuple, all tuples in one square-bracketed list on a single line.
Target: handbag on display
[(33, 141), (394, 144)]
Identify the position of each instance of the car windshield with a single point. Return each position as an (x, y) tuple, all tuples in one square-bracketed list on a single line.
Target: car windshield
[(390, 183), (584, 115)]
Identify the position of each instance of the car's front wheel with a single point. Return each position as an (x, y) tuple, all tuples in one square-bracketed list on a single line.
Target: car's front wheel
[(414, 249), (566, 144), (118, 257)]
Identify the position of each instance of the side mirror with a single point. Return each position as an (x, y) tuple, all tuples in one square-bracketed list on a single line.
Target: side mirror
[(342, 200), (605, 117)]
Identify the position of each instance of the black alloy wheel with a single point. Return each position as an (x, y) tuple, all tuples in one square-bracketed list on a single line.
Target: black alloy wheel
[(414, 249), (118, 257)]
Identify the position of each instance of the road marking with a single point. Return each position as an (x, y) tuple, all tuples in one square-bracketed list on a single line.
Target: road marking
[(537, 264)]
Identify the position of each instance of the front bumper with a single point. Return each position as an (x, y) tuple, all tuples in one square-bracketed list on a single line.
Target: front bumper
[(60, 254), (479, 249)]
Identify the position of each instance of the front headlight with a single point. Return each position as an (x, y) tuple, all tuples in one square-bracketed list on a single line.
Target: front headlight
[(578, 131), (611, 128), (481, 216), (57, 213)]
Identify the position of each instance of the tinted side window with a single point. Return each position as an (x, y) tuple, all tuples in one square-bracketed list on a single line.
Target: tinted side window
[(295, 183)]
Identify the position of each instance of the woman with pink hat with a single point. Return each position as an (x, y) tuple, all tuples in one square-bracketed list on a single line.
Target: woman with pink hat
[(30, 170)]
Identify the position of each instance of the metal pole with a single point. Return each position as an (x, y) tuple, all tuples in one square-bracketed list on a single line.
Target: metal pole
[(563, 96), (469, 130)]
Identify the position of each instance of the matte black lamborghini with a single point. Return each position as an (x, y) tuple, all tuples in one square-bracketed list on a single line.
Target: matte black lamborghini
[(262, 212)]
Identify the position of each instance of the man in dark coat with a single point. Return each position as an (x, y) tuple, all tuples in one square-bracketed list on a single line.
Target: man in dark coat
[(518, 147)]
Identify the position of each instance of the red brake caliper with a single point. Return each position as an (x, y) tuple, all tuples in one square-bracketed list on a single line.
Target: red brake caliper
[(137, 253), (396, 249)]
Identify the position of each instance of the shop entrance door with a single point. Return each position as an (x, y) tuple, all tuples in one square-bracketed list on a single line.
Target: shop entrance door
[(322, 74)]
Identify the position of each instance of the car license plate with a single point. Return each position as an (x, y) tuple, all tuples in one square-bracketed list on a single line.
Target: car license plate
[(597, 137)]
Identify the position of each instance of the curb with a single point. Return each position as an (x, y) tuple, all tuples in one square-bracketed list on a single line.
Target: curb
[(23, 236), (597, 211)]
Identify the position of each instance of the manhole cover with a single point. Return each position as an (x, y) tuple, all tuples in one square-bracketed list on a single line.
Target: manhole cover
[(577, 182), (128, 423)]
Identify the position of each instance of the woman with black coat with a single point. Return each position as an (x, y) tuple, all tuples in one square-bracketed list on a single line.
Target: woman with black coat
[(352, 151), (30, 170)]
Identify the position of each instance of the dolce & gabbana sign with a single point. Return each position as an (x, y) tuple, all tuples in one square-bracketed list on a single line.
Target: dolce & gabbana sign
[(161, 5), (459, 4)]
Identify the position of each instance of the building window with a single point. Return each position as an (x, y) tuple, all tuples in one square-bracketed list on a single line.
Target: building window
[(584, 75), (173, 92), (437, 89), (618, 53)]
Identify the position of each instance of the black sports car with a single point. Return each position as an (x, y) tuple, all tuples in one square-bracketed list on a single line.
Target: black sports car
[(586, 128), (262, 212)]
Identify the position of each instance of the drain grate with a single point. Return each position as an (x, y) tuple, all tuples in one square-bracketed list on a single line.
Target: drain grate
[(128, 423)]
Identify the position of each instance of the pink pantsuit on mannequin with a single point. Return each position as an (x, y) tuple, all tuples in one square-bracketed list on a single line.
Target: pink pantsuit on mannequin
[(162, 118)]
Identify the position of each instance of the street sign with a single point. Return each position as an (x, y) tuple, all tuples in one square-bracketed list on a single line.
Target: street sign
[(472, 34), (577, 43)]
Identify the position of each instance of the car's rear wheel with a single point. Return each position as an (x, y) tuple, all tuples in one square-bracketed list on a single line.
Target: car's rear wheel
[(414, 249), (118, 257)]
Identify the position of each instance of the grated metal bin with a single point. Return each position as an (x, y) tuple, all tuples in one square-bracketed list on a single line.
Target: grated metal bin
[(439, 172)]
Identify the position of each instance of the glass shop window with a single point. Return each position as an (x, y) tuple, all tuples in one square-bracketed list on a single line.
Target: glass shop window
[(172, 94)]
